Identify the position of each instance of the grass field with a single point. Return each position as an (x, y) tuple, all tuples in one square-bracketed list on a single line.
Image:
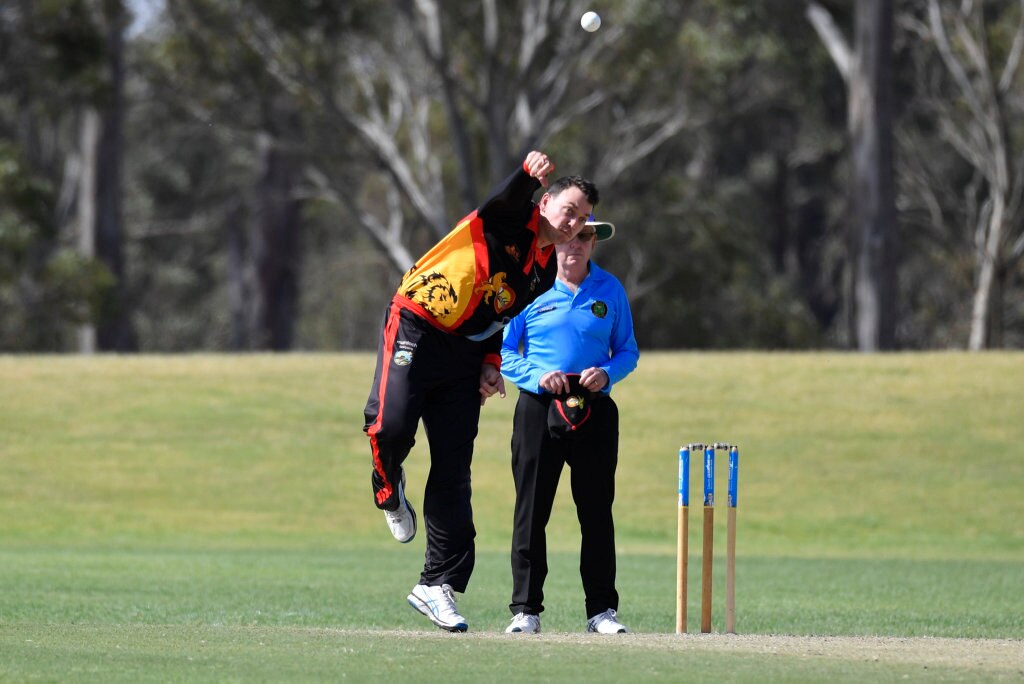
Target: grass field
[(208, 518)]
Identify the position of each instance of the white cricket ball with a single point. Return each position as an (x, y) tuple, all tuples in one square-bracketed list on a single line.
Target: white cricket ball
[(591, 21)]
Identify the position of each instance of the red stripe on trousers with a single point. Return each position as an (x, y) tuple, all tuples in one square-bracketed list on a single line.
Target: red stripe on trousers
[(390, 333)]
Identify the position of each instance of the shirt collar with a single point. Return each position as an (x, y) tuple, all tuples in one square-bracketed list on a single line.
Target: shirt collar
[(593, 273)]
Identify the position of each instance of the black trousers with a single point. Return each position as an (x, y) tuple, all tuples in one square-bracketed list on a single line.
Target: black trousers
[(425, 373), (537, 460)]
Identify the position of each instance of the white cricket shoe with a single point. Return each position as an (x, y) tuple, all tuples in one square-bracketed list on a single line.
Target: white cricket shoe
[(438, 604), (402, 520), (606, 623), (524, 624)]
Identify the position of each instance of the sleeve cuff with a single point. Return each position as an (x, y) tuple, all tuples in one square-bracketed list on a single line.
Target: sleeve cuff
[(493, 359)]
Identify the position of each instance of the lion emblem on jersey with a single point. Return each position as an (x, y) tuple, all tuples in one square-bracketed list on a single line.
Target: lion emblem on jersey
[(497, 289), (436, 295)]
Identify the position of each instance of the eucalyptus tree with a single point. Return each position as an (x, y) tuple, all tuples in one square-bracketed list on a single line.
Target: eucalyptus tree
[(970, 86), (655, 107), (59, 150), (710, 128), (866, 65), (753, 236), (241, 143), (402, 114)]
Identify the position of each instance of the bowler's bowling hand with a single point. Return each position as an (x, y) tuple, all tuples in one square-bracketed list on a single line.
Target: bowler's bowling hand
[(540, 166)]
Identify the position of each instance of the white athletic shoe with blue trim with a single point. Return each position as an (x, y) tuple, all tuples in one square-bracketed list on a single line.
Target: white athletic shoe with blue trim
[(438, 604), (402, 520), (606, 623)]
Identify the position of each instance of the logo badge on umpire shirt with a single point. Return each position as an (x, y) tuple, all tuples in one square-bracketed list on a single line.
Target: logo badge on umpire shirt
[(599, 309)]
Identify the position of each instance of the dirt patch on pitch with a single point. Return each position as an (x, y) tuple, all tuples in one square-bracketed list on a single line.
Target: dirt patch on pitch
[(994, 655), (1003, 655)]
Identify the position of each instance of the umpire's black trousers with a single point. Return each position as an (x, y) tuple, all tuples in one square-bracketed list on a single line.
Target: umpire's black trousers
[(537, 460), (425, 373)]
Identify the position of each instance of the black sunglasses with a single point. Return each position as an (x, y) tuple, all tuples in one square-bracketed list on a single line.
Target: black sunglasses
[(585, 235)]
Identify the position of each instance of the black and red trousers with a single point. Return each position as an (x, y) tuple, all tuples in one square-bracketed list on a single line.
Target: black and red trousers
[(424, 373)]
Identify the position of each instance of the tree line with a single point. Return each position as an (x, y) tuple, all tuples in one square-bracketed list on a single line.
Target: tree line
[(256, 175)]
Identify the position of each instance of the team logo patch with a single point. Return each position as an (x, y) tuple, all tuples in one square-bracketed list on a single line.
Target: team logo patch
[(496, 288), (574, 402), (403, 357), (599, 309)]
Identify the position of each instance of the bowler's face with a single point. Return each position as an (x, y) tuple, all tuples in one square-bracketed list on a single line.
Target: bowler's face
[(565, 215)]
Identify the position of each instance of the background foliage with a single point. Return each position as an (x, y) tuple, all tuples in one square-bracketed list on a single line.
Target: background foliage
[(280, 165)]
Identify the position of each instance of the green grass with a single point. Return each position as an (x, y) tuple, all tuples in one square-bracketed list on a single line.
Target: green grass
[(292, 653), (295, 653), (209, 518), (362, 589)]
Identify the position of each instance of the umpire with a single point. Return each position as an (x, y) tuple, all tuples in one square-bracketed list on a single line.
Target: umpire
[(564, 352)]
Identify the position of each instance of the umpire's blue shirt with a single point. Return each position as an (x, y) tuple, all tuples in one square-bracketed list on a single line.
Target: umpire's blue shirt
[(571, 331)]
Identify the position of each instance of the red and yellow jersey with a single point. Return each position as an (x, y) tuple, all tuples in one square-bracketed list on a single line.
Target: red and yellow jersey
[(487, 269)]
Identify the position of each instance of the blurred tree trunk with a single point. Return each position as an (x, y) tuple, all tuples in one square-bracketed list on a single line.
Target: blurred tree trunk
[(867, 70), (114, 331), (264, 255), (871, 132), (85, 170), (278, 255), (240, 282)]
